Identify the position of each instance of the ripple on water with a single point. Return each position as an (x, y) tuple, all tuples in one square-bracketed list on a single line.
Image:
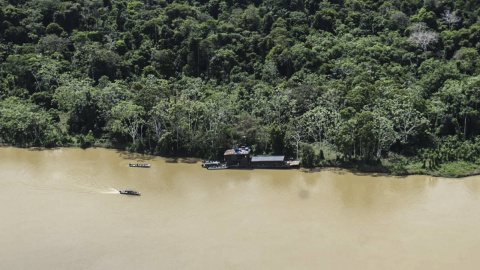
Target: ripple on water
[(55, 174)]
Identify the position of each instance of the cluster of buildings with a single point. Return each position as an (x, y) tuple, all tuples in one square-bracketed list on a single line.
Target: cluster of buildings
[(239, 157)]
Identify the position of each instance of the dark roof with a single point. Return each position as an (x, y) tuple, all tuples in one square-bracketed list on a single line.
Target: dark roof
[(268, 158)]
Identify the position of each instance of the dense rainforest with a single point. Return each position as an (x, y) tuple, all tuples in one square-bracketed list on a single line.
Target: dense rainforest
[(332, 81)]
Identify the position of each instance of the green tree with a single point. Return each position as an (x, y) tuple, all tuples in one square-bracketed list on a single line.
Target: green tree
[(24, 123), (406, 117), (54, 29), (75, 97), (127, 119), (315, 124), (277, 138), (366, 135), (308, 156)]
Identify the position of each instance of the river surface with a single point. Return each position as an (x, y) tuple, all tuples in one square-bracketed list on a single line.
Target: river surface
[(60, 209)]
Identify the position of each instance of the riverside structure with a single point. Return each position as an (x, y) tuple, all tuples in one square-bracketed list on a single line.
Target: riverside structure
[(239, 158)]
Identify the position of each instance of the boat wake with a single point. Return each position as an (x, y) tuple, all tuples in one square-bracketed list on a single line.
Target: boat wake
[(110, 191), (84, 178)]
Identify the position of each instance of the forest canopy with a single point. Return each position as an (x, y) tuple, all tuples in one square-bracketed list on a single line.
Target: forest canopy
[(365, 78)]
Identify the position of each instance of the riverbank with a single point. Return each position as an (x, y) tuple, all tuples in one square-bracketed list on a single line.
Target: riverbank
[(396, 166), (455, 169), (404, 167)]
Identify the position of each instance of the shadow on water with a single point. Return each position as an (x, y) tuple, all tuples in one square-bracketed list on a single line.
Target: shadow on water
[(336, 170), (304, 194), (376, 174), (135, 156), (187, 160), (39, 149), (354, 171)]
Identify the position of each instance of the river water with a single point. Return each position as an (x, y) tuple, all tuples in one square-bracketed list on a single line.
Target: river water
[(60, 209)]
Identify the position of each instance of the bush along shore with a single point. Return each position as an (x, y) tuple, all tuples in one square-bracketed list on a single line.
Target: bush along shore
[(395, 164)]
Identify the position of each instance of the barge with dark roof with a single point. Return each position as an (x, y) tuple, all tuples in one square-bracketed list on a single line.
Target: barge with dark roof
[(239, 158)]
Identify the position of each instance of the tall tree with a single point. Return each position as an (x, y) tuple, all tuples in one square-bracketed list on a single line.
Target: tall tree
[(127, 119), (423, 37)]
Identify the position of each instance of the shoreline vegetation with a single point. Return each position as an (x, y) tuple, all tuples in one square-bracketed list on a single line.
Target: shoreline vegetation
[(388, 86), (395, 166), (459, 169)]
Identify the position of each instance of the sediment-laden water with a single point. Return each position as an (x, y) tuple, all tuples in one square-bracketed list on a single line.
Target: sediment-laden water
[(60, 209)]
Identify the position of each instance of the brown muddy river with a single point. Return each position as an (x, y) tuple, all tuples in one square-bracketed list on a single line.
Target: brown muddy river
[(60, 209)]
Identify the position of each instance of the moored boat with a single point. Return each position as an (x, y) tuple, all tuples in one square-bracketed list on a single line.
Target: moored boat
[(218, 167), (210, 163), (139, 165)]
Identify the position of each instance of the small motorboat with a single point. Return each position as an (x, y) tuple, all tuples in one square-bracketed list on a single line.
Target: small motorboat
[(218, 167), (129, 192), (210, 163), (139, 165)]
